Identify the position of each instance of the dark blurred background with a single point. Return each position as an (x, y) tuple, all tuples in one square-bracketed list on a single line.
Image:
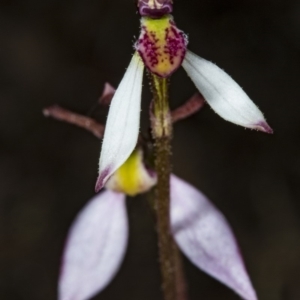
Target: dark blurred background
[(63, 52)]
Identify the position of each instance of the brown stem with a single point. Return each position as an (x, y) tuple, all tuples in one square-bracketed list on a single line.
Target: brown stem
[(194, 104), (162, 133), (181, 286), (67, 116)]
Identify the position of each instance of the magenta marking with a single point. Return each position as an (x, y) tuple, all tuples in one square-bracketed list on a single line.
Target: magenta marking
[(264, 127), (101, 180), (169, 51)]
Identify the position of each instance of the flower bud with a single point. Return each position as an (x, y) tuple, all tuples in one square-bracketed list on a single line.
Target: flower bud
[(155, 8)]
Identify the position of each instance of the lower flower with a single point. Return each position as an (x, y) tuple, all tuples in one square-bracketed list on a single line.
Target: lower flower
[(97, 240)]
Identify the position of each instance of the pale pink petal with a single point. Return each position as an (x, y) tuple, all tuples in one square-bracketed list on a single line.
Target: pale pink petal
[(95, 247), (205, 237), (123, 122)]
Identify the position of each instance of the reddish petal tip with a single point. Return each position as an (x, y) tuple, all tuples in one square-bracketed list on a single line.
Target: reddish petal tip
[(108, 89), (264, 127), (107, 94), (101, 180)]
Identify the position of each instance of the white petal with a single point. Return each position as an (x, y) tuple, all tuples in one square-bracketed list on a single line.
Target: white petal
[(205, 237), (223, 94), (95, 247), (123, 121)]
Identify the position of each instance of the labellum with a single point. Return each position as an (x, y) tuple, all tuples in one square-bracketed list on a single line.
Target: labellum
[(161, 45)]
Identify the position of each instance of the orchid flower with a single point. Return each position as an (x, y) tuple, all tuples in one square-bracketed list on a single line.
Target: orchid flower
[(97, 240), (162, 49)]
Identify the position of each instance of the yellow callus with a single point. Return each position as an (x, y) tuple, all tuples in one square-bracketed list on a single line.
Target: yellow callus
[(132, 177)]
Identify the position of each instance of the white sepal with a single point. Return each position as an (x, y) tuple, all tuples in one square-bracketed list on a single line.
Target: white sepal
[(205, 237), (95, 247), (223, 94), (123, 122)]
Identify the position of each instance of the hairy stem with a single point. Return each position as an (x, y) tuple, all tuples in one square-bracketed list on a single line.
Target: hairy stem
[(169, 257), (70, 117), (190, 107)]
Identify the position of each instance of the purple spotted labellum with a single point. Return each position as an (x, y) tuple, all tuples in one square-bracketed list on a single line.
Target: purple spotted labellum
[(155, 8), (161, 45)]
